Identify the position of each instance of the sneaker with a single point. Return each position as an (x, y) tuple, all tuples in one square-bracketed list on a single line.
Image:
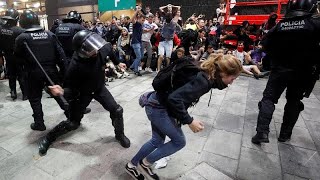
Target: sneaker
[(126, 74), (133, 172), (149, 70), (148, 171), (139, 68)]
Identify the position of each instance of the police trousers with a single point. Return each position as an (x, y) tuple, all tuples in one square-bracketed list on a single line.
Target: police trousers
[(277, 83), (14, 73), (37, 81), (102, 95), (77, 104)]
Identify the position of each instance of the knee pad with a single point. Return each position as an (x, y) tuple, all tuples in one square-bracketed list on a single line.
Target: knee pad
[(117, 112), (294, 104)]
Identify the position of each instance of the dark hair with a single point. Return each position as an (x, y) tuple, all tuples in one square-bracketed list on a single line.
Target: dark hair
[(201, 30), (168, 17)]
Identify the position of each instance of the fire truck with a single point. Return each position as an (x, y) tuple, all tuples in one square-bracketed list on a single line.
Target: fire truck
[(255, 12)]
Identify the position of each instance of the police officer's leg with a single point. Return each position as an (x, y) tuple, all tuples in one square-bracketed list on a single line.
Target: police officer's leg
[(292, 110), (276, 84), (36, 84), (104, 97), (22, 78), (12, 75), (55, 78), (76, 107)]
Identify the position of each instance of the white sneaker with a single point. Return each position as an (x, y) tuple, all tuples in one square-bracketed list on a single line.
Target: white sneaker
[(126, 74), (149, 70), (139, 68)]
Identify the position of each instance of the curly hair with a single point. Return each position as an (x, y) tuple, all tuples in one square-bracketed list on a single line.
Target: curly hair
[(219, 63)]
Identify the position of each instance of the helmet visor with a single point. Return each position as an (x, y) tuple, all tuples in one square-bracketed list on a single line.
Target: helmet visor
[(92, 45)]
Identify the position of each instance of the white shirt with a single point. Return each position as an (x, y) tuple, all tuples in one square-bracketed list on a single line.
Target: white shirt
[(239, 55), (146, 36)]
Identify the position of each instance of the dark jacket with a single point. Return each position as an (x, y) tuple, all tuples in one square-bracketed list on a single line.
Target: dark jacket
[(181, 99), (65, 33), (88, 75), (294, 44), (8, 36), (44, 45)]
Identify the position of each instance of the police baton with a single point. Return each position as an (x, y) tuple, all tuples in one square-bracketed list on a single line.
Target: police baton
[(65, 103)]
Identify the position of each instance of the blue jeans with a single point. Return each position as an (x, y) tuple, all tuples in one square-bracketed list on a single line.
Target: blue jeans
[(162, 125), (138, 50)]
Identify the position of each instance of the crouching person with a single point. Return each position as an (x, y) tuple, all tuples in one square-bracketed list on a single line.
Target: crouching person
[(84, 81), (167, 110)]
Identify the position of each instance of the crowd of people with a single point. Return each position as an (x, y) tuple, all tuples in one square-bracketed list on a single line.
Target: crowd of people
[(73, 61), (149, 40)]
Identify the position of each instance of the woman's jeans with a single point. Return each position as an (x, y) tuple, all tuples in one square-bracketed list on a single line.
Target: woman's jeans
[(162, 125), (138, 50)]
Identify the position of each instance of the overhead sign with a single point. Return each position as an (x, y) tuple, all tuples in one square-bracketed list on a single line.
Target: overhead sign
[(113, 5)]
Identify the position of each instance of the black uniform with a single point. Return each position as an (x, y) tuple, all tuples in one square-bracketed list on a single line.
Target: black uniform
[(293, 47), (14, 70), (84, 81), (65, 33), (48, 51)]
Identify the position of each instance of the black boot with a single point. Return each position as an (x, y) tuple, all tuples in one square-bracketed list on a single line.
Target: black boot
[(283, 137), (38, 126), (117, 122), (44, 146), (123, 140), (13, 94), (260, 138), (61, 129)]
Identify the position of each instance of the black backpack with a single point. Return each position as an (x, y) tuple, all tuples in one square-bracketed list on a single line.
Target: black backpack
[(175, 75)]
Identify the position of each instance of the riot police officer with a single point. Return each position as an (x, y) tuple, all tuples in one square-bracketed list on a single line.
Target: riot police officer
[(8, 34), (55, 25), (293, 46), (48, 51), (84, 81), (65, 32)]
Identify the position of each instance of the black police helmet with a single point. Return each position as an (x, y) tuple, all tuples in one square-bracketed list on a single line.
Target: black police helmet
[(298, 8), (79, 38), (11, 14), (73, 16), (28, 19), (86, 43)]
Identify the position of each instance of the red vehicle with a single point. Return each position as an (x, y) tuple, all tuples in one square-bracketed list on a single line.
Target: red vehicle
[(256, 12)]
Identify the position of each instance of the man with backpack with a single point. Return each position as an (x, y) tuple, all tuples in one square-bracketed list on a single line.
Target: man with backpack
[(177, 87)]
